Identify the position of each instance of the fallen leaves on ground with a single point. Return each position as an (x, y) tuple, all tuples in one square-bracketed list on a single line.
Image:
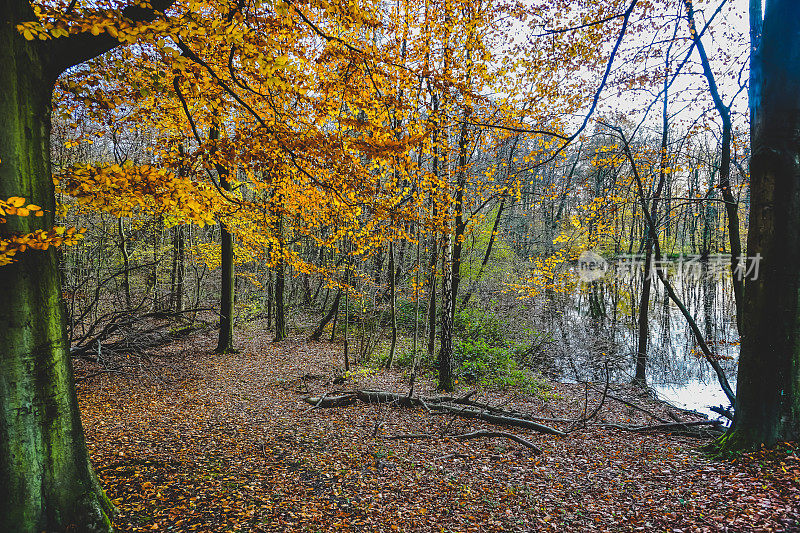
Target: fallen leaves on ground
[(207, 442)]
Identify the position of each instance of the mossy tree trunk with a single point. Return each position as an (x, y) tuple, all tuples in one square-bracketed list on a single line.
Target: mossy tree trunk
[(768, 392), (46, 481)]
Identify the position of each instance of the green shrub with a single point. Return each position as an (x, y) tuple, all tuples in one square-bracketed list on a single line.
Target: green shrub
[(493, 366), (406, 312), (404, 355), (473, 323)]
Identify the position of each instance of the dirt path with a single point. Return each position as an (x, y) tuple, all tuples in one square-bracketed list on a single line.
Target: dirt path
[(224, 443)]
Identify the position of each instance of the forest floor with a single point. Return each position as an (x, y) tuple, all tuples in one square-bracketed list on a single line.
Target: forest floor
[(195, 441)]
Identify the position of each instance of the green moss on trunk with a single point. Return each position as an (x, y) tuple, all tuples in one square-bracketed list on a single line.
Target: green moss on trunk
[(47, 482)]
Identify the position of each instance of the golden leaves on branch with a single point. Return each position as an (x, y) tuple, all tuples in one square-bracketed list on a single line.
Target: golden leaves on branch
[(129, 190), (40, 239), (16, 206)]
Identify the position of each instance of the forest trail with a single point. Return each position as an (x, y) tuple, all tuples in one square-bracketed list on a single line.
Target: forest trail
[(207, 442)]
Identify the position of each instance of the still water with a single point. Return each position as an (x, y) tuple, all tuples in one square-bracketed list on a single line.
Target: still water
[(597, 323)]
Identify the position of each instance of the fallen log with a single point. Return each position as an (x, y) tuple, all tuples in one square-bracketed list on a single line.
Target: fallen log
[(331, 401), (499, 417)]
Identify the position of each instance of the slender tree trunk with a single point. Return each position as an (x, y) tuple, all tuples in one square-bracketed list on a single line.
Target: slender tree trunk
[(154, 272), (453, 271), (328, 317), (178, 269), (46, 482), (768, 392), (180, 279), (280, 289), (640, 377), (432, 298), (269, 300), (280, 306), (393, 304), (126, 263), (347, 315), (731, 204), (306, 291), (225, 341), (445, 359), (414, 353)]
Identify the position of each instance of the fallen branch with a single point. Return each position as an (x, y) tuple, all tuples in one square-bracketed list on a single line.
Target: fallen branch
[(495, 416), (585, 418), (332, 401), (673, 427), (632, 405), (501, 420), (678, 425), (722, 411), (495, 409), (489, 434), (481, 433)]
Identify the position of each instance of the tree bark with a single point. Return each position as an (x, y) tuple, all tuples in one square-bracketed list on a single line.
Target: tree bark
[(225, 341), (452, 272), (126, 265), (280, 289), (768, 392), (393, 304), (178, 269), (47, 481), (328, 317), (640, 377)]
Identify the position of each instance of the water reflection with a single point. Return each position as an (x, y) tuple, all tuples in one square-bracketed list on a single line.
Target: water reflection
[(597, 322)]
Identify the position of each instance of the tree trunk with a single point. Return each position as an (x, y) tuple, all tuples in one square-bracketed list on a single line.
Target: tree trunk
[(126, 264), (640, 377), (280, 284), (434, 241), (445, 359), (47, 482), (225, 342), (328, 317), (453, 271), (178, 268), (731, 204), (280, 308), (393, 303), (768, 392), (269, 300)]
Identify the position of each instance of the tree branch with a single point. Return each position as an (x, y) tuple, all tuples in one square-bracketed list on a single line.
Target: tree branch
[(75, 49)]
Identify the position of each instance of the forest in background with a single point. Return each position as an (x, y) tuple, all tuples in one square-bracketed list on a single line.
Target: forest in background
[(460, 196)]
